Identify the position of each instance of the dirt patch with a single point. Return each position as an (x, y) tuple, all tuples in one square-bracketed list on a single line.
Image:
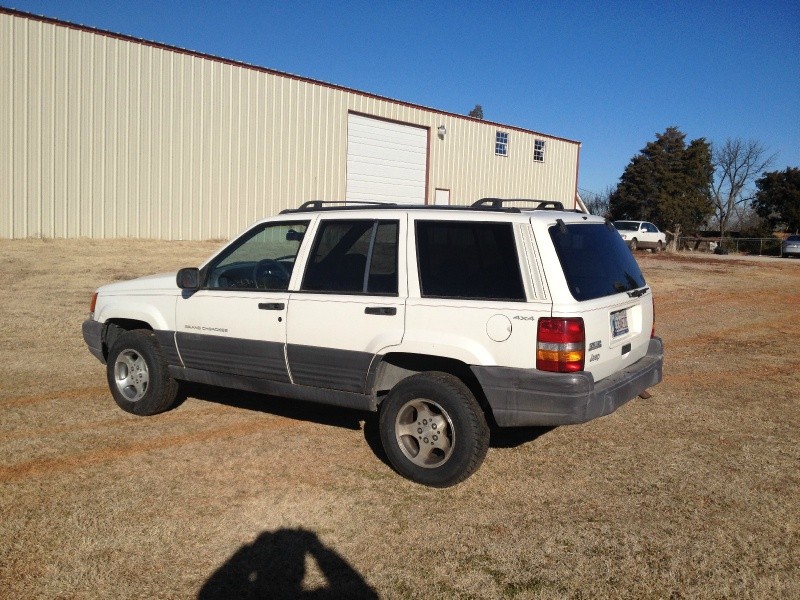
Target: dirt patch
[(692, 494)]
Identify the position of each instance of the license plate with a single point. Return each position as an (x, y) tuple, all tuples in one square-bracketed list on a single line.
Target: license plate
[(619, 323)]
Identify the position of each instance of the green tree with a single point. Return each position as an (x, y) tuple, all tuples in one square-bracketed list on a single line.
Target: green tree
[(778, 198), (477, 112), (667, 183)]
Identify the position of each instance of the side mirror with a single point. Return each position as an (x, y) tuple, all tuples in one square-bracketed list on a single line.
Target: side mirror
[(188, 278)]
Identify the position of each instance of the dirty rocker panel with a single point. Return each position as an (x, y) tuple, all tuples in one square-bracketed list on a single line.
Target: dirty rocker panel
[(277, 388), (523, 397)]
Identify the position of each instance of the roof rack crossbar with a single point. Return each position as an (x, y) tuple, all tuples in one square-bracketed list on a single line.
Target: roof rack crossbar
[(500, 203), (311, 205)]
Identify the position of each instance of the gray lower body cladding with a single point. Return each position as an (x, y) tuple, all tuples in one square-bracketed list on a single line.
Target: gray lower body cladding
[(526, 397), (93, 336)]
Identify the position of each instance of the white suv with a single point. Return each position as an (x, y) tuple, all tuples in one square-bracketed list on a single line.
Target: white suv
[(445, 319)]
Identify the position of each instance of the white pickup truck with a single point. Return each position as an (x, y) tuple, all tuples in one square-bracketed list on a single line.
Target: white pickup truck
[(444, 319)]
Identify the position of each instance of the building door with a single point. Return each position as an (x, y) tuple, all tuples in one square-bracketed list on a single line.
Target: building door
[(386, 161)]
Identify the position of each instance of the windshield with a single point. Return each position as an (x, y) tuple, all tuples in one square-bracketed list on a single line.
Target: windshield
[(595, 260), (627, 225)]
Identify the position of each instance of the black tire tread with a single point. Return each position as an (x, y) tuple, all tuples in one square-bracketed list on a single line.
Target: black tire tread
[(163, 389), (475, 421)]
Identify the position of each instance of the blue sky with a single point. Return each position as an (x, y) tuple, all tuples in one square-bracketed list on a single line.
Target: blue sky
[(608, 74)]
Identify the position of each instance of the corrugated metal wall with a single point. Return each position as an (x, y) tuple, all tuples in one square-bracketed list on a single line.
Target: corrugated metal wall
[(103, 136)]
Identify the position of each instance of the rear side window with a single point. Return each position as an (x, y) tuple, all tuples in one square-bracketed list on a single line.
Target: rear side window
[(595, 260), (468, 260), (354, 257)]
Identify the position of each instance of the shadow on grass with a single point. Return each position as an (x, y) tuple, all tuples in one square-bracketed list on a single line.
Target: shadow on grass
[(511, 437), (300, 410), (348, 418), (274, 566)]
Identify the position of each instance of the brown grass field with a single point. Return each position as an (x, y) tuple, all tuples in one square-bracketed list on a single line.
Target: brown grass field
[(694, 493)]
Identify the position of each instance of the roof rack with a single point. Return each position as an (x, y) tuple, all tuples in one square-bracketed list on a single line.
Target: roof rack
[(337, 204), (499, 203), (484, 204)]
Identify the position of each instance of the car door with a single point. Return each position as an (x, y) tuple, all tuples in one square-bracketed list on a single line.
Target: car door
[(649, 233), (351, 303), (236, 323)]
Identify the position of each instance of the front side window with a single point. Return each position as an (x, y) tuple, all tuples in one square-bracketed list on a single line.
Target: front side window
[(468, 260), (538, 150), (262, 259), (354, 257), (501, 143), (595, 260)]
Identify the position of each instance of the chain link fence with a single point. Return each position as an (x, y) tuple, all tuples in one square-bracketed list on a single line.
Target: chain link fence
[(754, 246)]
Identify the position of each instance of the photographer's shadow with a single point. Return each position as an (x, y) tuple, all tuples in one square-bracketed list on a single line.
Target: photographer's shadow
[(274, 566)]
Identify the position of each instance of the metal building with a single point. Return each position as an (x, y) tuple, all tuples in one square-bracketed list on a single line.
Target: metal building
[(103, 135)]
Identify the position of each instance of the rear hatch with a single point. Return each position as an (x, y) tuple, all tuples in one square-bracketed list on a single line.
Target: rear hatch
[(600, 282)]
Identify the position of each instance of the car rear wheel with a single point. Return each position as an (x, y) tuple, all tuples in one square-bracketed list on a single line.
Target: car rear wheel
[(433, 430), (634, 244), (659, 246), (138, 375)]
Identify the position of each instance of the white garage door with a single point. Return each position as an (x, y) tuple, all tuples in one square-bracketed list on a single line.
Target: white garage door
[(386, 162)]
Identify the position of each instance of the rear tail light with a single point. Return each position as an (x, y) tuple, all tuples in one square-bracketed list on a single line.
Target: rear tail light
[(92, 304), (560, 345)]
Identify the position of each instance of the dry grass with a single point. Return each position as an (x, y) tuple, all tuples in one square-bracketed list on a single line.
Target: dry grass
[(692, 494)]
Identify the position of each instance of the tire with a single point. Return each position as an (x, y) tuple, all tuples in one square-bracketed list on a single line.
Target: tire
[(433, 430), (138, 376), (634, 244), (659, 247)]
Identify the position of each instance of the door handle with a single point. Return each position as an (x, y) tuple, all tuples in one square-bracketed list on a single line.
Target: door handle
[(380, 310), (271, 305)]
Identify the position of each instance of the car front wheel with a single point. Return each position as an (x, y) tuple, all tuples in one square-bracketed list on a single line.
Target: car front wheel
[(433, 430), (138, 375)]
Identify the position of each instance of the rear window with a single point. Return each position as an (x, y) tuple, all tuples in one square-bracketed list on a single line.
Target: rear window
[(595, 260), (627, 225)]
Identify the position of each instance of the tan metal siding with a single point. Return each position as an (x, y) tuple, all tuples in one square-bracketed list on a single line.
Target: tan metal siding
[(102, 136)]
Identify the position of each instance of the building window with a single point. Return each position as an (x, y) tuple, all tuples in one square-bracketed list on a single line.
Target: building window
[(501, 144), (538, 150)]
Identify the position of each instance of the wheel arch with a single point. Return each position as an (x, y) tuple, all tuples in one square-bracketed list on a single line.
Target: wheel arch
[(394, 367), (116, 327)]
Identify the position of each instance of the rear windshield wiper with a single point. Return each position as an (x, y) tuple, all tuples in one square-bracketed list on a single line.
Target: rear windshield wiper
[(638, 293)]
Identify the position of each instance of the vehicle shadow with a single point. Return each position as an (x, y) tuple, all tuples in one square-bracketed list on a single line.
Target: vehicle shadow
[(511, 437), (500, 437), (300, 410), (275, 566)]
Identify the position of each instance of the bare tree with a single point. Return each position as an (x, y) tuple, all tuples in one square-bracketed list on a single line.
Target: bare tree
[(597, 204), (737, 164)]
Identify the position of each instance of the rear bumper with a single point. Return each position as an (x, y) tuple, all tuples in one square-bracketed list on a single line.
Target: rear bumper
[(93, 336), (523, 397)]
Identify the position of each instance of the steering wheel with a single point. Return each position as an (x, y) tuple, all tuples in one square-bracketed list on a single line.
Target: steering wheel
[(272, 274)]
